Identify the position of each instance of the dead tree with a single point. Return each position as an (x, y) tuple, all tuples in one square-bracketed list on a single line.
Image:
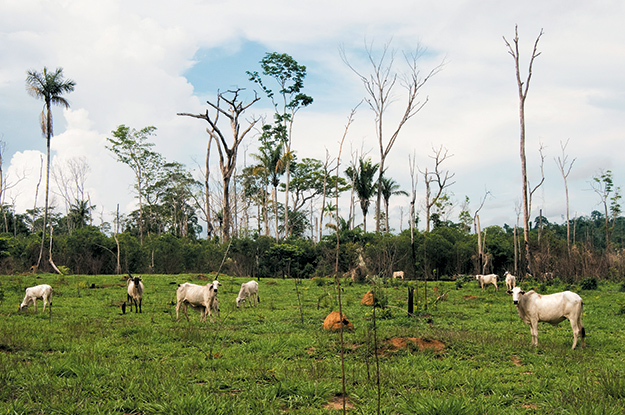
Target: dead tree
[(442, 180), (379, 87), (565, 169), (523, 88), (227, 151)]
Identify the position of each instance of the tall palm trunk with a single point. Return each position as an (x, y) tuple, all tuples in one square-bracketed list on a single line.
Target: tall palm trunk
[(48, 127)]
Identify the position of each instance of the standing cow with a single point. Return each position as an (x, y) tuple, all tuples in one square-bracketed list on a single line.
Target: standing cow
[(135, 292), (553, 309), (510, 281), (487, 279), (202, 297)]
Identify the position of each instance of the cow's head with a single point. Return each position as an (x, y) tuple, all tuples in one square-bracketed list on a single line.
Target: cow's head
[(516, 292), (214, 286)]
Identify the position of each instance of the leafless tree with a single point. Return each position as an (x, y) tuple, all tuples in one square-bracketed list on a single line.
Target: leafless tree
[(523, 88), (565, 169), (380, 87), (227, 150), (481, 255), (413, 198), (70, 180), (440, 178)]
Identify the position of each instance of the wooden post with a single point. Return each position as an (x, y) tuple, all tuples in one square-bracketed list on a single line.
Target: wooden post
[(410, 300)]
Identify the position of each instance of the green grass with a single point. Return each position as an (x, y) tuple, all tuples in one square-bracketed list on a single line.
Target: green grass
[(88, 357)]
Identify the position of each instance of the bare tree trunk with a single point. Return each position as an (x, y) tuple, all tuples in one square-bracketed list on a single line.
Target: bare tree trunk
[(50, 258), (413, 197), (565, 169), (209, 222), (523, 88), (118, 267), (480, 251)]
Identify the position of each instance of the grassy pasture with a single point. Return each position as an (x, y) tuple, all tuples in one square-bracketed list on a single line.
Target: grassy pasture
[(89, 358)]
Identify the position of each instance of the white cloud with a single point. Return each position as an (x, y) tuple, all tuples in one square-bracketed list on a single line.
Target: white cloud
[(128, 59)]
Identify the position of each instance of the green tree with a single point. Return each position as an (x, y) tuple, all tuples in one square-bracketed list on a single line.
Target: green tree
[(133, 149), (272, 162), (389, 188), (603, 185), (289, 75), (50, 87), (364, 185)]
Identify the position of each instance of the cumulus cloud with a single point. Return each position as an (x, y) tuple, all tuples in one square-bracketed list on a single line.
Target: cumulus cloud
[(129, 60)]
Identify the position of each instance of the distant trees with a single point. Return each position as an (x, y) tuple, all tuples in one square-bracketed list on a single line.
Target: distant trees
[(50, 86)]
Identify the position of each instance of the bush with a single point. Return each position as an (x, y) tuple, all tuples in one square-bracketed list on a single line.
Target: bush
[(589, 284)]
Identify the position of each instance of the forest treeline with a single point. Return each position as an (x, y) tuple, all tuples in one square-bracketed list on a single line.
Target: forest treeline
[(446, 250), (279, 215)]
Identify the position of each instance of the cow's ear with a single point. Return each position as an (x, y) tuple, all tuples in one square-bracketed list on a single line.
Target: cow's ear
[(508, 292), (219, 283)]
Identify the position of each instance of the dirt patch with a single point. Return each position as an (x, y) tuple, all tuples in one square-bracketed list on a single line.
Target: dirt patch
[(516, 361), (367, 299), (399, 343), (337, 403), (529, 406), (469, 297)]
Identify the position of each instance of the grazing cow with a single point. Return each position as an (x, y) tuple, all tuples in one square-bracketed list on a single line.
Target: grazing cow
[(510, 281), (197, 296), (398, 274), (135, 292), (552, 309), (487, 279), (38, 292), (248, 290)]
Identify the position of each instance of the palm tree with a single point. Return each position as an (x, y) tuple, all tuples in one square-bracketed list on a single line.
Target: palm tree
[(364, 186), (389, 187), (272, 164), (48, 86)]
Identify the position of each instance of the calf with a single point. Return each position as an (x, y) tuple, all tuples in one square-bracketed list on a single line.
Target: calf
[(248, 290), (197, 296), (135, 292), (510, 281), (398, 274), (38, 292), (487, 279), (552, 309)]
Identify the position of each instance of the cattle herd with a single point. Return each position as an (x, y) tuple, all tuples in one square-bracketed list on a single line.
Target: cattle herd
[(531, 306)]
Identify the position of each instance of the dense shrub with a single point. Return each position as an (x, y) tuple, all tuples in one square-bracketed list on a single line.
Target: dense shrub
[(589, 284)]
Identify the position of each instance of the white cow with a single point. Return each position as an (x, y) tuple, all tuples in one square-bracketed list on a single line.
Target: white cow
[(398, 274), (487, 279), (135, 292), (248, 290), (552, 309), (38, 292), (197, 296), (510, 281)]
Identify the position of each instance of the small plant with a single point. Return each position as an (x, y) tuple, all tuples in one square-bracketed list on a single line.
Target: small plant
[(589, 284), (622, 288)]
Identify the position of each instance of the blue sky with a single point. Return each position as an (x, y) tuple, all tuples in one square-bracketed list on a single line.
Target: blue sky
[(139, 63)]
